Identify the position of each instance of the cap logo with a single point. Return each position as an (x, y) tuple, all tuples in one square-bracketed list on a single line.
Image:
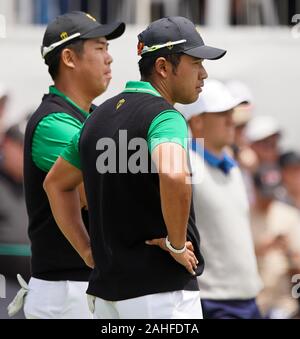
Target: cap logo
[(64, 35), (91, 17), (170, 45), (120, 103)]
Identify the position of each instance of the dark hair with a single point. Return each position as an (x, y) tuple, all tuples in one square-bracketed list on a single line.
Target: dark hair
[(53, 61), (146, 64)]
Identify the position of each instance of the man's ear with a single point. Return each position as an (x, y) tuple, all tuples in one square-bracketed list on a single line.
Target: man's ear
[(162, 67), (196, 124), (68, 57)]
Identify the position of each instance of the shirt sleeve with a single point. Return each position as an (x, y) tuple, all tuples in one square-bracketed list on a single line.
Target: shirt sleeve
[(51, 136), (168, 126), (71, 152)]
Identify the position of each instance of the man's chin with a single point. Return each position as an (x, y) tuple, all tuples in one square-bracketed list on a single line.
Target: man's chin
[(187, 101), (103, 88)]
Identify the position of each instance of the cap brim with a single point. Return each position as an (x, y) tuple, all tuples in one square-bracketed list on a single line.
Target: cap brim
[(228, 106), (109, 31), (206, 52), (235, 103)]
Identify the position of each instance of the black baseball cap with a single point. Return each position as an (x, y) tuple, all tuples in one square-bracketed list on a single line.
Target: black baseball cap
[(76, 25), (172, 35)]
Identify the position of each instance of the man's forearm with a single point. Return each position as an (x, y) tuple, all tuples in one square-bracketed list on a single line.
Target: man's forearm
[(66, 210), (82, 196), (176, 197)]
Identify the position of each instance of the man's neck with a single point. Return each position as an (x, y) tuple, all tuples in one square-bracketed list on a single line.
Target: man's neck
[(162, 89), (211, 148), (78, 98)]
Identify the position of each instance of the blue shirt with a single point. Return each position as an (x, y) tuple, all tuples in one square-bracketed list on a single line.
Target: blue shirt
[(225, 163)]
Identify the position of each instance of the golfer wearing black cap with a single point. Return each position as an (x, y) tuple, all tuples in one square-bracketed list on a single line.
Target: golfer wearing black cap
[(75, 50), (128, 207)]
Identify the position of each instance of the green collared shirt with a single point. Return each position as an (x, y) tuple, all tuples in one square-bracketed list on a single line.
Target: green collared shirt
[(168, 126), (53, 133)]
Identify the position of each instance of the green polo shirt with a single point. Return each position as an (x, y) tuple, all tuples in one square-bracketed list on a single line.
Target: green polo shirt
[(53, 133), (168, 126)]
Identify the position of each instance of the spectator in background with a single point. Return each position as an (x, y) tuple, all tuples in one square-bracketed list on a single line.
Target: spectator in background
[(242, 151), (263, 133), (289, 163), (276, 232), (12, 151), (242, 114), (13, 228), (230, 281), (14, 243)]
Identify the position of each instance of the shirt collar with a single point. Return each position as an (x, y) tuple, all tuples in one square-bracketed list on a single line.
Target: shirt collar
[(225, 163), (141, 87), (55, 91)]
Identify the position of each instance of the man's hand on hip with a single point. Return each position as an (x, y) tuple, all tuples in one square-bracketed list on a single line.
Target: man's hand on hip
[(186, 259)]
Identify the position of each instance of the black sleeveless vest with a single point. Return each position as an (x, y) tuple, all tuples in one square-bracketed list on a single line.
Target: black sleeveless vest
[(125, 208), (53, 257)]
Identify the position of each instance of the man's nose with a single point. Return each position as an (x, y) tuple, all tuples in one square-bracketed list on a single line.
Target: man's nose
[(203, 73)]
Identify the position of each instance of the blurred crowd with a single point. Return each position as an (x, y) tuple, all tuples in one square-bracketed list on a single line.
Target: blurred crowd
[(14, 244), (272, 179), (239, 12)]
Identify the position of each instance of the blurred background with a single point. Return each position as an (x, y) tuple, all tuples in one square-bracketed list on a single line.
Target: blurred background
[(263, 42), (262, 49)]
